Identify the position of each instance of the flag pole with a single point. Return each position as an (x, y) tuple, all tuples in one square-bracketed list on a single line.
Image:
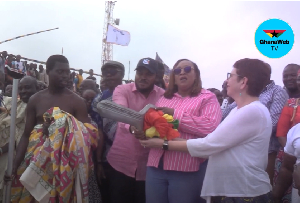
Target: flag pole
[(11, 147), (27, 35), (62, 51), (129, 70)]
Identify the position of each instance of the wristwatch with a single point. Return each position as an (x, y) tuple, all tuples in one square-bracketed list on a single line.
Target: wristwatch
[(165, 145)]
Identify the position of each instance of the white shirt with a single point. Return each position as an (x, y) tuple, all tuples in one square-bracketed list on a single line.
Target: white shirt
[(292, 146), (238, 154)]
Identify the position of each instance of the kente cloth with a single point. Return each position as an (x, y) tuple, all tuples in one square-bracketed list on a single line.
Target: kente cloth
[(5, 120), (56, 168)]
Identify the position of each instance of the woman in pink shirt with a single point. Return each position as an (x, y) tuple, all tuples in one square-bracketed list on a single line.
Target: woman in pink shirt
[(176, 176)]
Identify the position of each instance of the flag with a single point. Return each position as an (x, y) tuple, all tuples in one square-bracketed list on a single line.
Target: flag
[(117, 36), (167, 69), (274, 33)]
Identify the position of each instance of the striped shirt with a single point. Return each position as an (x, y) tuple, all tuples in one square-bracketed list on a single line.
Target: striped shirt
[(198, 116), (126, 154)]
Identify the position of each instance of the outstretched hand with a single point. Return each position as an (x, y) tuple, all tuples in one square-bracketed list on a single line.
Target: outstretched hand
[(152, 143), (139, 134)]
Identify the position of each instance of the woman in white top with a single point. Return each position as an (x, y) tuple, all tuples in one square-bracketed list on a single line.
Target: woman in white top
[(238, 148), (290, 169)]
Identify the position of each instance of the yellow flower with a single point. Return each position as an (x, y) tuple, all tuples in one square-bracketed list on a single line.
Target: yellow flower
[(168, 117), (151, 132)]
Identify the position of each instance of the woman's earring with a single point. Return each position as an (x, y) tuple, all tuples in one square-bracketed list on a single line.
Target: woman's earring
[(240, 94)]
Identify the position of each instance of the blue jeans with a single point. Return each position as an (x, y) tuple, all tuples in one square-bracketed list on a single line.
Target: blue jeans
[(164, 186)]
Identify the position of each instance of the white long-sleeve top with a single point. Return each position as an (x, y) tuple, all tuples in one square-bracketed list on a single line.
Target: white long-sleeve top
[(238, 154), (292, 146)]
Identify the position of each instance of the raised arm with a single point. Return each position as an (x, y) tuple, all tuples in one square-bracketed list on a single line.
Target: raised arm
[(207, 121)]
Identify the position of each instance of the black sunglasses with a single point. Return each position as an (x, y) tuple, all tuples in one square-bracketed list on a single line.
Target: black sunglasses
[(177, 71), (112, 71)]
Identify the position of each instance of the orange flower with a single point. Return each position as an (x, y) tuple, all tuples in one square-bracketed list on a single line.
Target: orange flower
[(155, 119)]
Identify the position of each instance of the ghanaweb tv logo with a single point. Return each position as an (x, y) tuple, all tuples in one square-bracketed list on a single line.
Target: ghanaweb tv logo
[(274, 43)]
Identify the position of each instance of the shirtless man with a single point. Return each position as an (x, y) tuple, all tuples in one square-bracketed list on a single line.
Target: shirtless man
[(56, 95)]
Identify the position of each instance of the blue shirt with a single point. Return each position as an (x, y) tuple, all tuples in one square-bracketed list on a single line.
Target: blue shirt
[(93, 112)]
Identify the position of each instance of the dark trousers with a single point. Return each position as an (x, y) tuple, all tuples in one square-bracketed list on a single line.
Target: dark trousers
[(104, 187), (120, 188), (266, 198)]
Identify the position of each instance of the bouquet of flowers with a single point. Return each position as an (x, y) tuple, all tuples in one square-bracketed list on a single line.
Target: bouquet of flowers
[(158, 124)]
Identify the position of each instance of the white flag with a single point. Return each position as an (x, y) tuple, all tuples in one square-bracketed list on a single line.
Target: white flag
[(117, 36)]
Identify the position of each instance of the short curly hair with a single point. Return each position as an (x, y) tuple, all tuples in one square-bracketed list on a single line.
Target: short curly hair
[(53, 59), (256, 71)]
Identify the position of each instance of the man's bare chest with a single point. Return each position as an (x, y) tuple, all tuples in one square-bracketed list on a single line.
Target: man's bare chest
[(64, 104)]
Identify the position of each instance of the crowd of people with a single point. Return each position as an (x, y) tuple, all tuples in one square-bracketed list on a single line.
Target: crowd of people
[(237, 145), (8, 61)]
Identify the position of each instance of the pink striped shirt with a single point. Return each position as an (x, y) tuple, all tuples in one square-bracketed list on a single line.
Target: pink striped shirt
[(127, 154), (198, 116)]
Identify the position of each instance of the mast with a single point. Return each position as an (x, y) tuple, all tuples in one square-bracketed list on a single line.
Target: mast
[(107, 48)]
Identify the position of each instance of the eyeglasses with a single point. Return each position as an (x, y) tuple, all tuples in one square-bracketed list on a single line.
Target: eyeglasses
[(112, 71), (177, 71), (229, 75)]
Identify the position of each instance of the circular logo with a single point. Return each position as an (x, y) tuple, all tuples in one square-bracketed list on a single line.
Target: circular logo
[(274, 38)]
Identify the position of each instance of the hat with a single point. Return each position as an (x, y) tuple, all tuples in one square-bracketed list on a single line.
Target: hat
[(148, 63), (113, 63)]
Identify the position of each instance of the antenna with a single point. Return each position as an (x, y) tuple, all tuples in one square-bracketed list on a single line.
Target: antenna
[(107, 48)]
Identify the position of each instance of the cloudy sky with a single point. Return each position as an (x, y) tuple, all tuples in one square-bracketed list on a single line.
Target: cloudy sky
[(213, 35)]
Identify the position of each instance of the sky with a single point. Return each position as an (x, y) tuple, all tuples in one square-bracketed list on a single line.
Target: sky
[(213, 35)]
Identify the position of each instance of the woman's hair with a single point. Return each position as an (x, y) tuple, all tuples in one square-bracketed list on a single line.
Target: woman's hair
[(172, 87), (213, 89), (256, 71)]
